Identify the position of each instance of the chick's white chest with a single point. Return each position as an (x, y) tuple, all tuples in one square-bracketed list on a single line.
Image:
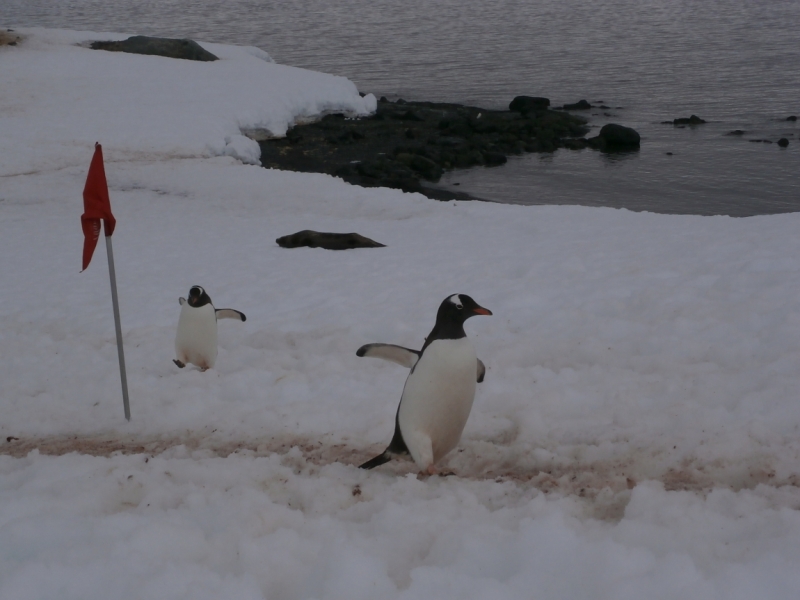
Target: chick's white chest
[(196, 340), (438, 395)]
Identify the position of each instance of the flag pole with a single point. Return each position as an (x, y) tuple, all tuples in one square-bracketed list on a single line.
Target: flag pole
[(120, 352)]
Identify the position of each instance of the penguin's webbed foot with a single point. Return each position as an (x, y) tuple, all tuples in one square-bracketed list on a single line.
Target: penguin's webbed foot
[(427, 472), (179, 363), (432, 471)]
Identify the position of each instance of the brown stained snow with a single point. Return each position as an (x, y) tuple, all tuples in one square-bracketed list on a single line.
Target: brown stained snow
[(603, 484)]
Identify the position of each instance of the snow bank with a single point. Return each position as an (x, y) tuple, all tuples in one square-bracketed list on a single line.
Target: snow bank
[(637, 435), (193, 526), (60, 97)]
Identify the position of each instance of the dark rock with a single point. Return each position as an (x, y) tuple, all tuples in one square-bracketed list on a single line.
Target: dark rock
[(693, 120), (575, 143), (579, 105), (329, 241), (613, 137), (528, 104), (425, 167), (170, 48), (294, 136), (456, 127), (735, 132), (468, 158), (409, 115), (494, 159), (389, 149), (761, 141), (450, 141), (783, 142), (346, 136), (792, 118)]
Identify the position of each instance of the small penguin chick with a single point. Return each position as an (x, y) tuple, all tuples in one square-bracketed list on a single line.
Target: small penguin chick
[(196, 339)]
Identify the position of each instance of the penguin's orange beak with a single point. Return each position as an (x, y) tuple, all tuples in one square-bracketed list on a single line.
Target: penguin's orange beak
[(482, 311)]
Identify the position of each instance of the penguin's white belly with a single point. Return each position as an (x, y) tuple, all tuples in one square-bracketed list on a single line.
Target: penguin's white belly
[(437, 399), (196, 340)]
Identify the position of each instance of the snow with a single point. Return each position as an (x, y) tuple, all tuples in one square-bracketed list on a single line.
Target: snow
[(150, 107), (637, 434)]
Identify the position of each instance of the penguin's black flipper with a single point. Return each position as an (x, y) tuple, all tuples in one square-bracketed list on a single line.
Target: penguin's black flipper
[(179, 363), (382, 458), (481, 371), (405, 357), (230, 313)]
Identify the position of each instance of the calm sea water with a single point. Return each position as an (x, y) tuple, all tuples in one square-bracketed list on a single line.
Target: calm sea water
[(735, 63)]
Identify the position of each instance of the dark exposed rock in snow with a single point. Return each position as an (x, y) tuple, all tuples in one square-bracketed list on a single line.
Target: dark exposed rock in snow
[(170, 48), (329, 241)]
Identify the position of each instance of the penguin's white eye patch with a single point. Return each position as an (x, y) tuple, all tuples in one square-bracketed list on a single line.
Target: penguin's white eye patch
[(456, 299)]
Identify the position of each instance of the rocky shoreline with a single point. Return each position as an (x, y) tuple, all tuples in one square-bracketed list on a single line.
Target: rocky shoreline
[(407, 143), (404, 143)]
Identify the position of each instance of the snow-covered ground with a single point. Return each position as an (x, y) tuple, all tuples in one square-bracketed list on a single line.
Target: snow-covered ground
[(637, 435)]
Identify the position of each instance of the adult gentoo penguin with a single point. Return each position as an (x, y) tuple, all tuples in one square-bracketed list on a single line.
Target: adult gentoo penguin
[(196, 340), (439, 391)]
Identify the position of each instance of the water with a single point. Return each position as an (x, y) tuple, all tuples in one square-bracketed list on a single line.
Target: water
[(735, 63)]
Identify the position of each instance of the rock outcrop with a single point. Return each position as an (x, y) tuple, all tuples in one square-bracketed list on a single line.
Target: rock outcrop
[(579, 105), (329, 241), (406, 143), (528, 104), (693, 120), (168, 47), (613, 137)]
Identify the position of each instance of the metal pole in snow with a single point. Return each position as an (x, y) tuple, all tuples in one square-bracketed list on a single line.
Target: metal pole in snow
[(112, 274)]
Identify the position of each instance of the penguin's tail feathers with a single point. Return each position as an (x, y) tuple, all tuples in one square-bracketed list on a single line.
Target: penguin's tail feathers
[(379, 460)]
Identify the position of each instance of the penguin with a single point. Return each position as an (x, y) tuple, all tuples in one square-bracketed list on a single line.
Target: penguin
[(439, 391), (196, 340)]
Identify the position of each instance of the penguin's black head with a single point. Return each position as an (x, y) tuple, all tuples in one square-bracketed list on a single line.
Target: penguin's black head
[(453, 311), (458, 308), (198, 297)]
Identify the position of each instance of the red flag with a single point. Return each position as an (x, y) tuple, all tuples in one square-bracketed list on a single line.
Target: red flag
[(96, 206)]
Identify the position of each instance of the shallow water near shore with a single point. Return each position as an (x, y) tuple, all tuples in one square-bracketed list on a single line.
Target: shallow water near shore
[(732, 63)]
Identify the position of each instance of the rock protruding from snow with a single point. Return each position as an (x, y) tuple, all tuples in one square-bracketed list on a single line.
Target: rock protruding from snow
[(154, 46), (329, 241)]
